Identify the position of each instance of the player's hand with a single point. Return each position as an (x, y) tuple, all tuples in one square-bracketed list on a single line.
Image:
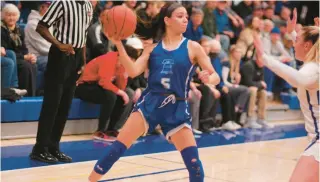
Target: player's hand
[(124, 96), (204, 76), (137, 95), (291, 24), (114, 39), (66, 48)]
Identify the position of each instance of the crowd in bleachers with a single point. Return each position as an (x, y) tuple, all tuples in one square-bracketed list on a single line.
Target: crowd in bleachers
[(224, 29)]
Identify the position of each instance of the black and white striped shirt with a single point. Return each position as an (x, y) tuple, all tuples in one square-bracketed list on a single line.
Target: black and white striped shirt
[(70, 20)]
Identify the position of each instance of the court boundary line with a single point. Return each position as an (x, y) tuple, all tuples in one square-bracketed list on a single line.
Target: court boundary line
[(139, 155)]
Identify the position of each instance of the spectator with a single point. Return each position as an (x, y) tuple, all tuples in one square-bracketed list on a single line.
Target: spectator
[(147, 19), (9, 76), (194, 30), (209, 22), (231, 78), (36, 44), (237, 21), (221, 91), (284, 16), (97, 43), (103, 82), (245, 39), (257, 12), (194, 101), (252, 77), (223, 25), (268, 25), (12, 38), (269, 13), (130, 4), (244, 8), (204, 103), (96, 10)]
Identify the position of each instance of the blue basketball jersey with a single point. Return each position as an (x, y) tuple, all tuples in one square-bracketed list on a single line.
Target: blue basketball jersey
[(170, 71)]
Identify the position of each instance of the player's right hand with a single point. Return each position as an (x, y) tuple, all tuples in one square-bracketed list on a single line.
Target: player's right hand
[(67, 48), (291, 24)]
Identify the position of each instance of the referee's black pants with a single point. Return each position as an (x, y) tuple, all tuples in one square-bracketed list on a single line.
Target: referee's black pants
[(60, 83)]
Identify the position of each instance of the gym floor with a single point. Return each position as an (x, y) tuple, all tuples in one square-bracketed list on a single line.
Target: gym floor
[(246, 155)]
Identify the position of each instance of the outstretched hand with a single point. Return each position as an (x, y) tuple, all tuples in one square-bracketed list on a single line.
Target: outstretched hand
[(291, 23)]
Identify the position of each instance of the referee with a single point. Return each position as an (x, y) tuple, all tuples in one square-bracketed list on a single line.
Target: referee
[(70, 20)]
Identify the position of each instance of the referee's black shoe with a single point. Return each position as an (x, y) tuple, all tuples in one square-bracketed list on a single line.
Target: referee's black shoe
[(59, 155), (43, 156)]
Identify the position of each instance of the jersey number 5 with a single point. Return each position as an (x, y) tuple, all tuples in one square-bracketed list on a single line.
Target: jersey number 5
[(165, 82)]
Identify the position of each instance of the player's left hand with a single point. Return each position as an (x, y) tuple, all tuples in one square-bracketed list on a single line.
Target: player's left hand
[(204, 76)]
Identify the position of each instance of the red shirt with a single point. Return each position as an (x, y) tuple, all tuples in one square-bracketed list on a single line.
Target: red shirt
[(104, 70)]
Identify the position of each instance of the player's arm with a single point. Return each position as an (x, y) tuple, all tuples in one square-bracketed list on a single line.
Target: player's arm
[(305, 79), (204, 62), (134, 68)]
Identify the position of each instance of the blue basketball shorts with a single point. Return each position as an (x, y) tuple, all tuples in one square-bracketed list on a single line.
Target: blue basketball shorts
[(167, 111)]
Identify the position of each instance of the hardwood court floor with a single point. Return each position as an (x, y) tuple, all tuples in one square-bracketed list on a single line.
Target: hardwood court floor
[(258, 161)]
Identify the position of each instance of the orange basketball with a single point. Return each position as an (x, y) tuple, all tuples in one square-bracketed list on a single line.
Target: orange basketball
[(121, 22)]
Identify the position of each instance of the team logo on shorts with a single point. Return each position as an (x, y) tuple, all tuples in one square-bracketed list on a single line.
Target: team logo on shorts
[(167, 100)]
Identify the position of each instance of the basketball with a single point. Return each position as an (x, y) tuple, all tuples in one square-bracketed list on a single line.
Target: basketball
[(121, 22)]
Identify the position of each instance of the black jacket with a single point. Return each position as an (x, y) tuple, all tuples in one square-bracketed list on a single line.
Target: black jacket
[(251, 75)]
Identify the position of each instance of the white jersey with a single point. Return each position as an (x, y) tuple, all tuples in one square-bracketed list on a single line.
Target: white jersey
[(309, 98), (306, 80)]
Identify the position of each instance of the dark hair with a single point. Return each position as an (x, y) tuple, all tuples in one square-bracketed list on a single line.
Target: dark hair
[(155, 28), (166, 11)]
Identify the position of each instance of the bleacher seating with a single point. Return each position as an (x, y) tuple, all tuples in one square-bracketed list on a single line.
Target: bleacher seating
[(291, 100), (28, 109)]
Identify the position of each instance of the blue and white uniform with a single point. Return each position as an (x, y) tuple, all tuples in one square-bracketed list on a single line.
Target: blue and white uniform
[(164, 101), (306, 80)]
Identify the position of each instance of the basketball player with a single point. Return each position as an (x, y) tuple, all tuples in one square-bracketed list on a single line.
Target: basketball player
[(307, 81), (164, 101)]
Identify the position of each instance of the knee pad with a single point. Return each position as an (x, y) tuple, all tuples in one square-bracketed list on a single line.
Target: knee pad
[(191, 159), (106, 162)]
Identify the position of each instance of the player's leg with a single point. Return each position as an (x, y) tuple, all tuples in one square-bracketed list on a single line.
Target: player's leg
[(133, 129), (184, 142), (306, 170)]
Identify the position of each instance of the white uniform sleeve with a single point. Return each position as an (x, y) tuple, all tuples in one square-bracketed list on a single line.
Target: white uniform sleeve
[(307, 77)]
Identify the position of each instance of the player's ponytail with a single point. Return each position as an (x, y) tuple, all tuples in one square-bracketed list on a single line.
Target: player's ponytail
[(311, 33)]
